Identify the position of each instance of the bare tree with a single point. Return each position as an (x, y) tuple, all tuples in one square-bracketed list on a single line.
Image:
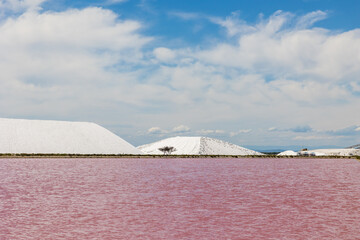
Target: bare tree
[(167, 150)]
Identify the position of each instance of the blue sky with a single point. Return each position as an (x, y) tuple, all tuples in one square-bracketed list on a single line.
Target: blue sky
[(161, 20), (254, 73)]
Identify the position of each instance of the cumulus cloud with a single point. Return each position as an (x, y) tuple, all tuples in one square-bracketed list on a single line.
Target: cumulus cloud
[(278, 48), (181, 129), (92, 64), (309, 19), (349, 131), (211, 132), (60, 63), (272, 129), (283, 62), (233, 24), (355, 86), (87, 29), (16, 6), (242, 131), (156, 130), (164, 54), (339, 136)]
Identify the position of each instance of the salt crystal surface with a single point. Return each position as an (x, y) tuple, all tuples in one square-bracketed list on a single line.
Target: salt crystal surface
[(288, 153), (197, 146), (56, 137), (333, 152)]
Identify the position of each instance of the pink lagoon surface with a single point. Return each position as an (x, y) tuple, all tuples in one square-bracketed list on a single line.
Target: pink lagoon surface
[(179, 198)]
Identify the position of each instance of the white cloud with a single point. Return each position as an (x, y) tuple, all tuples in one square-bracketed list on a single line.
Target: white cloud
[(176, 130), (211, 132), (56, 62), (20, 5), (275, 47), (314, 137), (272, 129), (348, 131), (233, 24), (164, 54), (303, 71), (355, 86), (90, 28), (181, 129), (309, 19), (156, 130), (242, 131), (90, 64)]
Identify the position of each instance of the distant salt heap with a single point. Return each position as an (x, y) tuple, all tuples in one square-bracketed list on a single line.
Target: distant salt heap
[(196, 146), (332, 152), (59, 137), (288, 153)]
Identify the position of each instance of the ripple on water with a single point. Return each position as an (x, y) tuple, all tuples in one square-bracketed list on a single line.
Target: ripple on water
[(179, 198)]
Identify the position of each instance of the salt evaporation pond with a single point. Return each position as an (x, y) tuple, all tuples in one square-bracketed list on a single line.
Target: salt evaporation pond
[(179, 198)]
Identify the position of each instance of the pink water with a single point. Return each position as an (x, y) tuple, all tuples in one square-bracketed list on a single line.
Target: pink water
[(179, 199)]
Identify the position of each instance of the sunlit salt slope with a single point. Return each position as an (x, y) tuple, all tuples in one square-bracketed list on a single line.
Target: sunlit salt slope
[(54, 137), (288, 153), (197, 146), (332, 152)]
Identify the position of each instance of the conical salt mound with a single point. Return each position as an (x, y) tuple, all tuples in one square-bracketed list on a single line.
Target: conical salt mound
[(59, 137), (196, 146)]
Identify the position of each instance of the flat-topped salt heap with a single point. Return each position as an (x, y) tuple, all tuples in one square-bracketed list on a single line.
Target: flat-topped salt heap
[(59, 137), (332, 152), (196, 146)]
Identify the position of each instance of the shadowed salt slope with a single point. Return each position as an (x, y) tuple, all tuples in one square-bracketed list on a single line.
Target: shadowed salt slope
[(197, 146), (56, 137)]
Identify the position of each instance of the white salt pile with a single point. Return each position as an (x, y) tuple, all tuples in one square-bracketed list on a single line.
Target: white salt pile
[(288, 153), (59, 137), (332, 152), (196, 146)]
